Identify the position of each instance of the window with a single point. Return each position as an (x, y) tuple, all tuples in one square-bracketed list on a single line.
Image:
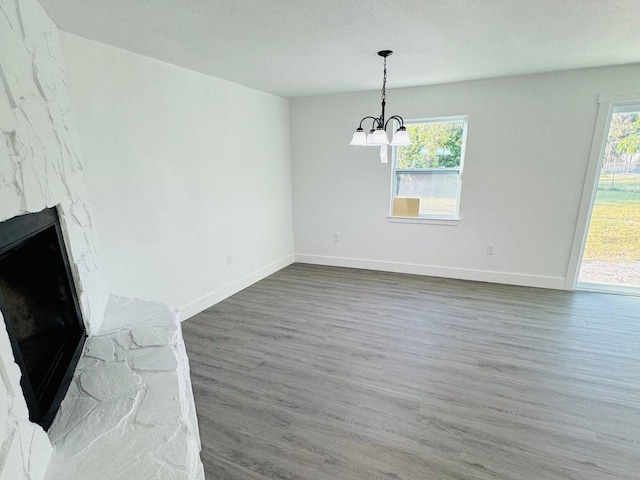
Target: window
[(430, 170)]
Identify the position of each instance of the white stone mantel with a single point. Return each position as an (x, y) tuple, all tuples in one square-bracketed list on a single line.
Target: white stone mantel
[(129, 412)]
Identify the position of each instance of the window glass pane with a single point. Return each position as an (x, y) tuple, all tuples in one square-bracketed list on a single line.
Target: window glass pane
[(437, 190), (434, 145), (430, 168)]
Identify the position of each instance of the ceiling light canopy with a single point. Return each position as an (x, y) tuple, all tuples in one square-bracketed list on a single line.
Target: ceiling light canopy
[(377, 136)]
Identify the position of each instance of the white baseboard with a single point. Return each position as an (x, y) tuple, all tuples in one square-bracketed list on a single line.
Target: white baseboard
[(557, 283), (197, 306), (201, 304)]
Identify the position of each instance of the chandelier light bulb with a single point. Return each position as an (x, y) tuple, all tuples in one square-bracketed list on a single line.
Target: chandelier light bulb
[(359, 138), (370, 138), (379, 137), (401, 138)]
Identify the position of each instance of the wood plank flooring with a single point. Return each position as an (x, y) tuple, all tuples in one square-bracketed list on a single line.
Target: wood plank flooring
[(332, 373)]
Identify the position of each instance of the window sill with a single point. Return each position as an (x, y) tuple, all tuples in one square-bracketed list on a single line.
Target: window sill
[(450, 221)]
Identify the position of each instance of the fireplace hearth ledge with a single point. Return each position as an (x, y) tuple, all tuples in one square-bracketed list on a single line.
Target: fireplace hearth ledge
[(129, 412)]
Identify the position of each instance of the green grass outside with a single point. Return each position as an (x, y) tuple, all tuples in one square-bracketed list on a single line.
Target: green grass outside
[(614, 232)]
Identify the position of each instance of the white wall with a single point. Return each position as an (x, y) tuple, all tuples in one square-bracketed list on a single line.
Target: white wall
[(183, 170), (528, 144)]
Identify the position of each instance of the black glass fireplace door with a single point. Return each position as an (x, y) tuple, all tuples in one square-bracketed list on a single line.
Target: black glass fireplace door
[(41, 311)]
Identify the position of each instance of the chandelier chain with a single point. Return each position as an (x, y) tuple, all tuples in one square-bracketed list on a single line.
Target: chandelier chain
[(384, 81)]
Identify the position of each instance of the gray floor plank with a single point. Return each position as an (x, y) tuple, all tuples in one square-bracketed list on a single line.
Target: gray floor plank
[(332, 373)]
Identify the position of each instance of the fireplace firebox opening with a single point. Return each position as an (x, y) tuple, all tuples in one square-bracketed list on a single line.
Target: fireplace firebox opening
[(40, 307)]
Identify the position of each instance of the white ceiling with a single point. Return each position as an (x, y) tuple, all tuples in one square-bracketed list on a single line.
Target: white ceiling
[(297, 48)]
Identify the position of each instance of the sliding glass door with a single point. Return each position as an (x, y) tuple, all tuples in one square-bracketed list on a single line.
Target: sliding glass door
[(611, 257)]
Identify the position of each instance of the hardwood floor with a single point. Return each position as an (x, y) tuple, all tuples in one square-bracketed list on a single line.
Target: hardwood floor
[(331, 373)]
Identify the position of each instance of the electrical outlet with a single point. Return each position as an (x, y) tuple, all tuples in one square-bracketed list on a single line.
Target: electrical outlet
[(490, 249), (229, 259), (336, 237)]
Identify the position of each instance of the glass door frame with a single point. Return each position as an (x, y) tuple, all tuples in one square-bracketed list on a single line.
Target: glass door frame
[(598, 145)]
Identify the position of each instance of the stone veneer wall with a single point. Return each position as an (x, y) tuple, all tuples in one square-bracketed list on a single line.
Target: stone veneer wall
[(40, 167)]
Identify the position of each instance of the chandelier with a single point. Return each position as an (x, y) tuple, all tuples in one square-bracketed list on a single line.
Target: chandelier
[(377, 136)]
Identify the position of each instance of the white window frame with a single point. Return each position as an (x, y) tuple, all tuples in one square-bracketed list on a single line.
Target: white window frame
[(432, 219)]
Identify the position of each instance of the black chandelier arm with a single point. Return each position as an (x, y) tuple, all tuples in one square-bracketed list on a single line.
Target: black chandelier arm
[(375, 120), (394, 117)]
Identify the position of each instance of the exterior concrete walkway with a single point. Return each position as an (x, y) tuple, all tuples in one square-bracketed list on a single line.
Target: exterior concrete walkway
[(611, 273)]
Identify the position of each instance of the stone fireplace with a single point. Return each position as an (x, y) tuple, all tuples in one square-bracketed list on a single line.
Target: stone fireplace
[(129, 408)]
